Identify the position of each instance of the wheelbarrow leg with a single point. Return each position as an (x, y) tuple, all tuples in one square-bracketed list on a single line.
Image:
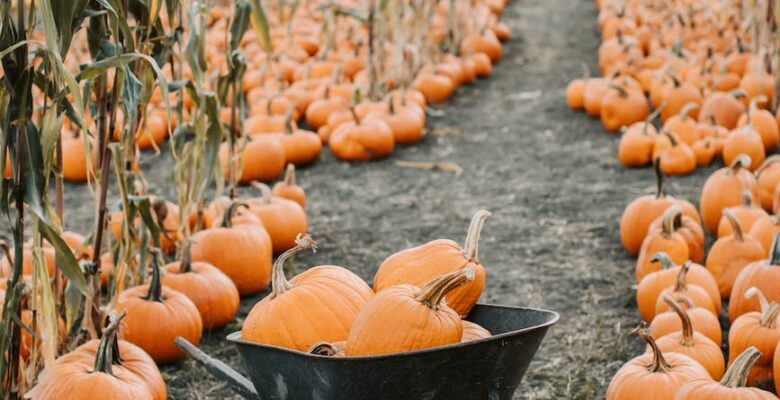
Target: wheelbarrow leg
[(219, 370)]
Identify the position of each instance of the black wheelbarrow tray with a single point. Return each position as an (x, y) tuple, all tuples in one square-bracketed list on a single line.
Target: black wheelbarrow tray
[(489, 368)]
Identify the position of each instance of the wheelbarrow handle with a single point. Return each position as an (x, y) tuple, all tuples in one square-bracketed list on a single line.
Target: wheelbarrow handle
[(219, 370)]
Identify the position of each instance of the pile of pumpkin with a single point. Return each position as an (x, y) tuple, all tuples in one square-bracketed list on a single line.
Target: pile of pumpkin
[(681, 298), (689, 63), (314, 79)]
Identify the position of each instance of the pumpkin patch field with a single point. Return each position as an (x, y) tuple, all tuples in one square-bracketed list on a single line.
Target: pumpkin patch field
[(225, 199)]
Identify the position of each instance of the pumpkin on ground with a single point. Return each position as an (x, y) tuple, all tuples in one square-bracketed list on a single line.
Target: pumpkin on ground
[(746, 213), (759, 329), (283, 219), (288, 189), (404, 318), (731, 254), (702, 321), (763, 275), (666, 240), (320, 304), (724, 189), (420, 265), (733, 386), (681, 288), (689, 229)]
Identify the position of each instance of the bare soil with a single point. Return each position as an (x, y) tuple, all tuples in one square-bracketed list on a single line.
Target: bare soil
[(549, 175)]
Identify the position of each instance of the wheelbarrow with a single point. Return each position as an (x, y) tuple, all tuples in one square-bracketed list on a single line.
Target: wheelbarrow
[(489, 368)]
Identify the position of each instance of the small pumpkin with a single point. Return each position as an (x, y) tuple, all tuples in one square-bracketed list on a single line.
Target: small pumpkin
[(320, 304), (757, 329), (746, 213), (575, 94), (702, 321), (284, 219), (422, 264), (405, 318), (733, 385), (622, 106), (157, 315), (724, 108), (763, 275), (301, 147), (288, 189), (744, 141), (358, 140), (595, 88), (239, 246), (731, 254), (763, 122), (654, 375), (681, 288), (261, 158), (724, 189), (675, 157), (666, 240), (678, 96), (705, 150), (683, 126), (473, 331), (636, 144), (691, 343)]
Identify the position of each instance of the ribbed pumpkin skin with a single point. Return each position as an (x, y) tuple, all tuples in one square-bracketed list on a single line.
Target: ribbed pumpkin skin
[(419, 265), (633, 381), (395, 321), (709, 390), (472, 331), (703, 350), (762, 275), (283, 219), (764, 230), (747, 331), (693, 292), (651, 286), (243, 253), (691, 231), (290, 192), (153, 325), (320, 307), (638, 216), (702, 320), (724, 189), (728, 256), (675, 247), (212, 292), (71, 376)]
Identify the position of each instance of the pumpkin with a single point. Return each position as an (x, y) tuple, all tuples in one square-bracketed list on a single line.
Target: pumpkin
[(482, 64), (654, 375), (744, 141), (261, 158), (683, 126), (358, 140), (472, 331), (693, 344), (757, 329), (301, 147), (764, 230), (101, 369), (422, 264), (595, 88), (157, 315), (642, 211), (436, 87), (486, 43), (730, 254), (763, 122), (284, 219), (74, 158), (733, 386), (652, 285), (675, 157), (681, 288), (759, 86), (724, 189), (678, 96), (622, 107), (575, 94), (288, 189), (406, 122), (319, 304), (702, 321), (768, 178), (405, 318), (240, 247), (213, 293), (689, 229), (724, 108), (763, 275), (666, 240), (746, 213), (636, 144)]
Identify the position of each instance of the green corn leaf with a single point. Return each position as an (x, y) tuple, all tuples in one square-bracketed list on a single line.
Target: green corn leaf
[(260, 24), (64, 257)]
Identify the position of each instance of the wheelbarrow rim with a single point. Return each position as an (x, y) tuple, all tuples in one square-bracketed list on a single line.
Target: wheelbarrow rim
[(235, 337)]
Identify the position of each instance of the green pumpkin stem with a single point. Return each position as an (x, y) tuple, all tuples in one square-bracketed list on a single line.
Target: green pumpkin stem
[(230, 212), (108, 349), (687, 328), (471, 249), (433, 293), (737, 375), (155, 286), (278, 280)]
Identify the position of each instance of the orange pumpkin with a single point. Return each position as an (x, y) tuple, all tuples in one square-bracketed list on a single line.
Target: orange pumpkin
[(575, 94), (321, 304), (744, 141), (674, 156), (724, 189), (683, 126), (678, 96), (636, 144), (595, 88), (757, 329), (301, 147), (763, 275), (486, 43), (404, 318), (665, 240), (702, 321), (284, 219), (724, 108), (288, 189), (681, 288), (622, 106), (768, 178), (690, 230), (763, 122), (731, 254), (733, 386), (654, 375), (157, 315), (362, 140), (746, 213), (261, 158), (422, 264), (472, 331)]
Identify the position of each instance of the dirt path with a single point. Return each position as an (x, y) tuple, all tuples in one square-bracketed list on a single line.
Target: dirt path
[(550, 177)]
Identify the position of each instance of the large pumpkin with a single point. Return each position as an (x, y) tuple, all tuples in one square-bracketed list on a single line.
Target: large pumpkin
[(320, 304), (731, 254), (420, 265), (724, 189), (764, 275), (759, 329), (404, 318), (733, 386)]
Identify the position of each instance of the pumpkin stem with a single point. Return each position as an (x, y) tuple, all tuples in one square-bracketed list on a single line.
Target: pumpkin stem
[(774, 251), (670, 136), (737, 375), (325, 349), (265, 192), (391, 105), (735, 226), (185, 265), (155, 286), (668, 219), (674, 78), (687, 328), (288, 122), (742, 161), (279, 281), (433, 293), (472, 237), (679, 283), (623, 92), (688, 107), (747, 198), (650, 118), (754, 105), (230, 212), (756, 292), (663, 258), (289, 175), (354, 115), (105, 357), (769, 319), (659, 364), (687, 301), (659, 179)]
